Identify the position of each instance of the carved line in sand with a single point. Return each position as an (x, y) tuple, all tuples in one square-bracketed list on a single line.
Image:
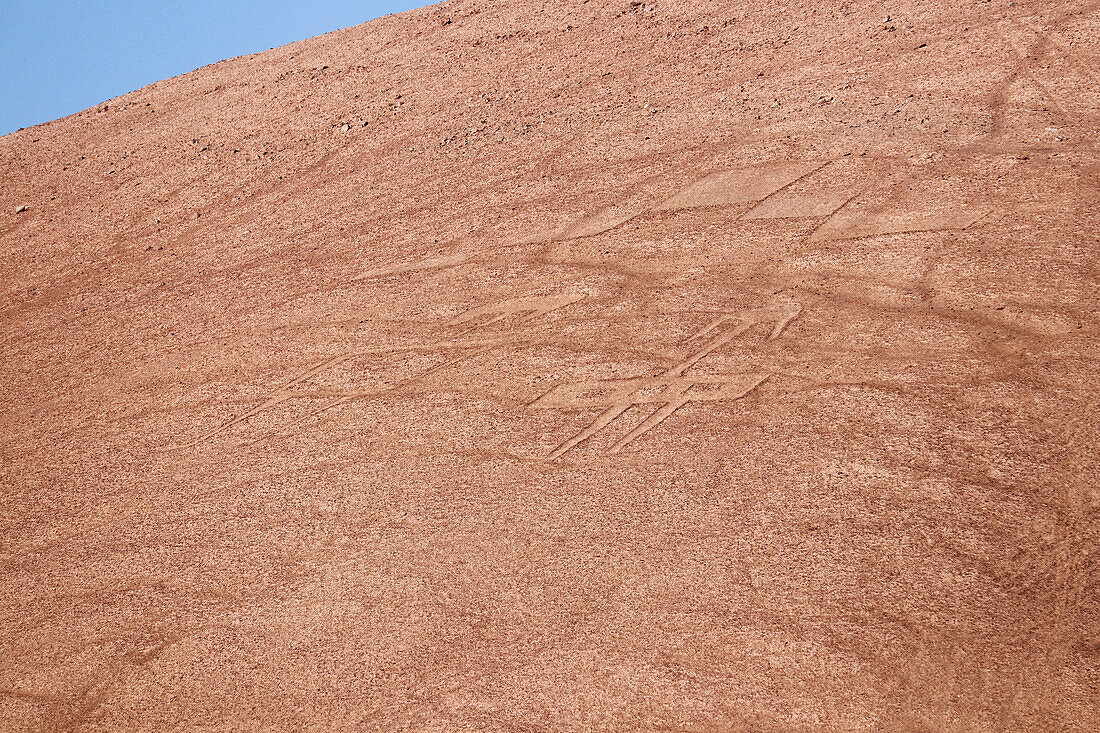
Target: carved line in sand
[(671, 389), (740, 186), (858, 224), (434, 263), (527, 309), (523, 310), (769, 188)]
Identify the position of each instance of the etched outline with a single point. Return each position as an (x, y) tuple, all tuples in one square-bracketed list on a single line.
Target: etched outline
[(528, 309), (675, 389)]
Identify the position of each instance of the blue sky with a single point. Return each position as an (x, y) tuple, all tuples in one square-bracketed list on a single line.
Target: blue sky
[(58, 57)]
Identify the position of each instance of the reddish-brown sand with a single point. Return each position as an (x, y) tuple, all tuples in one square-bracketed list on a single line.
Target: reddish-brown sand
[(565, 365)]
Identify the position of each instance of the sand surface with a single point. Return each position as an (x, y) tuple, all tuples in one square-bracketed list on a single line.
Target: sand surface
[(565, 366)]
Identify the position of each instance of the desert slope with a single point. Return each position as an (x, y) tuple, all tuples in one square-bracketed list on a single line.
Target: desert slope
[(565, 365)]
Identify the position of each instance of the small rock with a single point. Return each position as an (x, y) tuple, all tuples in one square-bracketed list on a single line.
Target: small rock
[(345, 128), (21, 209)]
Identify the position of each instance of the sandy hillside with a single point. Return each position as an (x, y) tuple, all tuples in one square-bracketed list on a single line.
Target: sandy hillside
[(516, 365)]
